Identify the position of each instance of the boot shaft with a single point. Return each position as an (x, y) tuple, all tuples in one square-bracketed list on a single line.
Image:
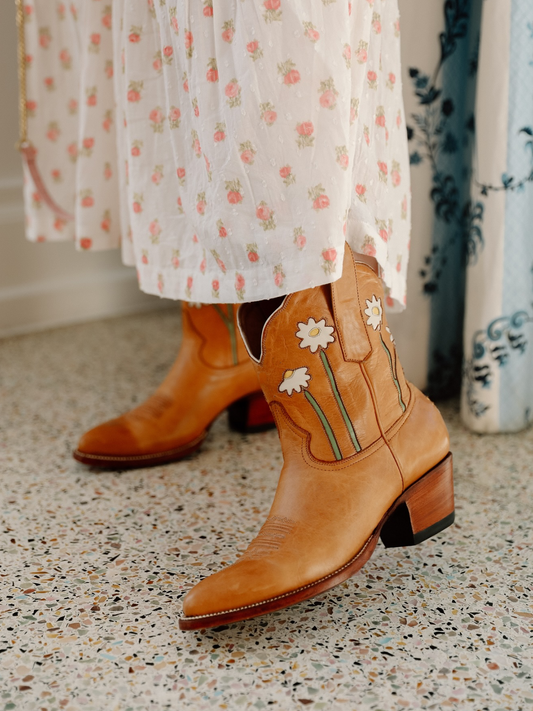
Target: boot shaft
[(327, 357), (214, 328)]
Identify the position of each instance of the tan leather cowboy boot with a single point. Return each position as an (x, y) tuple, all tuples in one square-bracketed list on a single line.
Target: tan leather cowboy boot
[(366, 454), (211, 373)]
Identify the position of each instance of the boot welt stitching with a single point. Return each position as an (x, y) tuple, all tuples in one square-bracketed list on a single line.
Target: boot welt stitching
[(287, 594), (138, 457)]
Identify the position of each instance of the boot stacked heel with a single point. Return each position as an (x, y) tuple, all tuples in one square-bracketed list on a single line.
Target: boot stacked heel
[(426, 508), (250, 414)]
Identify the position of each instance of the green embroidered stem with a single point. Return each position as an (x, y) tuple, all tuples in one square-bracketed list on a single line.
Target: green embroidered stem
[(340, 403), (230, 325), (333, 442), (402, 404), (232, 334)]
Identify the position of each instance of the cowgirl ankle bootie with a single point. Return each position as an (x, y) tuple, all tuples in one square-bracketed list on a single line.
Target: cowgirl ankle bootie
[(366, 454), (211, 373)]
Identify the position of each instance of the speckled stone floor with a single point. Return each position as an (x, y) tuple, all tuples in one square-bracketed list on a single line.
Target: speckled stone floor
[(93, 565)]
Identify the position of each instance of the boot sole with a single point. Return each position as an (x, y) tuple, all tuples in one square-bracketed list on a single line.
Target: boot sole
[(248, 415), (141, 460), (423, 510)]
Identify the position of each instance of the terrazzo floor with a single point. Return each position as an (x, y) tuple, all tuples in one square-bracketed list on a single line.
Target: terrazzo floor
[(93, 565)]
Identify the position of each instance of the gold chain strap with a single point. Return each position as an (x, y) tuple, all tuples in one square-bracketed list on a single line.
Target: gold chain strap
[(23, 107)]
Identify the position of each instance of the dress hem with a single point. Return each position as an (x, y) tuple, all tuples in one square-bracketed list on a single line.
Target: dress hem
[(258, 284)]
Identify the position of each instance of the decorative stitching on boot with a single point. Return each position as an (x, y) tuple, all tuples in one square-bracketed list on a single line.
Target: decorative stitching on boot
[(269, 538)]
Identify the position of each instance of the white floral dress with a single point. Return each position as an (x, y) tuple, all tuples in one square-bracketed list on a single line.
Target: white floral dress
[(232, 147)]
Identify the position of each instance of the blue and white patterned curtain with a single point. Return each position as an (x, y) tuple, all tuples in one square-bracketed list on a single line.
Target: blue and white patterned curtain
[(468, 83)]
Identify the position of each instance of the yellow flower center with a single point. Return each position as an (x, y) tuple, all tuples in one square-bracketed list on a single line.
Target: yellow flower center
[(288, 374), (314, 332), (375, 311)]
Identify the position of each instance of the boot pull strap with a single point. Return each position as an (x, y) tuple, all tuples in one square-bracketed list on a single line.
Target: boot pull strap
[(347, 310)]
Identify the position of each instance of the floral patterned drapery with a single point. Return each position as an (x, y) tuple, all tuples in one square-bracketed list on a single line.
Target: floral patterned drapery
[(498, 387), (468, 79)]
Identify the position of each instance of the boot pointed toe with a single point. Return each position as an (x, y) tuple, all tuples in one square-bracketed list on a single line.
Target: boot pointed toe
[(108, 442), (208, 597), (243, 585)]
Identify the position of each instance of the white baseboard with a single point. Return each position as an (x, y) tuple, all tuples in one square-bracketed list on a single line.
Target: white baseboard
[(57, 298), (40, 306)]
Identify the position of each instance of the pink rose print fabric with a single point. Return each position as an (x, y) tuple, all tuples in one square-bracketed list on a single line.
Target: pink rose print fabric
[(71, 115), (231, 147)]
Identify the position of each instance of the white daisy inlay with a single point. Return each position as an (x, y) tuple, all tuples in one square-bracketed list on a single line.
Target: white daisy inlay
[(374, 311), (294, 381), (315, 334)]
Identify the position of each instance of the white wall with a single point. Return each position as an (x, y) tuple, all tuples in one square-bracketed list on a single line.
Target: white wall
[(44, 285)]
